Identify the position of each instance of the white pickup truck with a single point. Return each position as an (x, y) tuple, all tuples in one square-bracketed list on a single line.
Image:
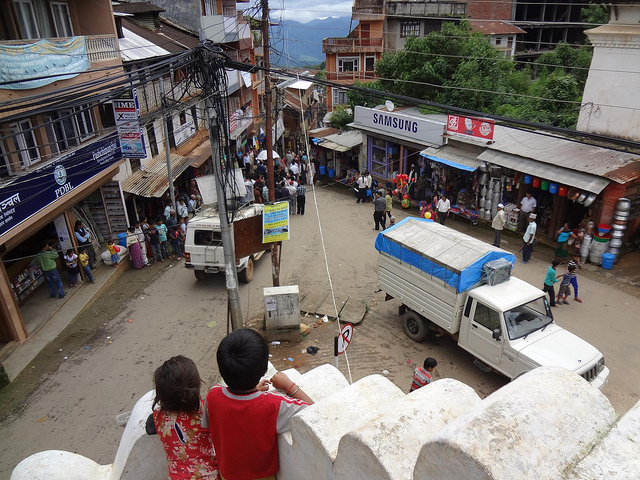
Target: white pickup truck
[(203, 249), (437, 274)]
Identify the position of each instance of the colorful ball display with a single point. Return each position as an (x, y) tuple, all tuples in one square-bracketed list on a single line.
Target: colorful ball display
[(406, 203), (406, 196), (427, 215)]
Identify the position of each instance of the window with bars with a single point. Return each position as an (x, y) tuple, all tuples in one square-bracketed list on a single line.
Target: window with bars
[(409, 29), (209, 7), (24, 141), (339, 96), (67, 128)]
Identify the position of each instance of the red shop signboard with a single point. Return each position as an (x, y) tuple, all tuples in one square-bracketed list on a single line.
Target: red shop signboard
[(470, 127)]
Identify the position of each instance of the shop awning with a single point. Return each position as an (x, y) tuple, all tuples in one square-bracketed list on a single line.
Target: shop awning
[(564, 176), (151, 180), (453, 157), (342, 142), (200, 154)]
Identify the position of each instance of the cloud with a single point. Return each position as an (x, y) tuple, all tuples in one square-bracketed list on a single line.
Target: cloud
[(300, 10)]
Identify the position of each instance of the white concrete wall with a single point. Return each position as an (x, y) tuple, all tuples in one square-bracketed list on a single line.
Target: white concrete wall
[(548, 424), (611, 100)]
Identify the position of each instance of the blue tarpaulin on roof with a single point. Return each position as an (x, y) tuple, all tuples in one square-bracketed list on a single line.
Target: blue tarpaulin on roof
[(459, 166), (473, 253)]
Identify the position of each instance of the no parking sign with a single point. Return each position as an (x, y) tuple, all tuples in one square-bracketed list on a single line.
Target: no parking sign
[(346, 334)]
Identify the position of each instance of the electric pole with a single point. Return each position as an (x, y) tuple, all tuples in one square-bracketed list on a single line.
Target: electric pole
[(215, 123), (275, 247), (167, 147)]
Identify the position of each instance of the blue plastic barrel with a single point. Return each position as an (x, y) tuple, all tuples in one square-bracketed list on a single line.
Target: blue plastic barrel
[(607, 260), (323, 169), (553, 188), (528, 179), (331, 173), (122, 239)]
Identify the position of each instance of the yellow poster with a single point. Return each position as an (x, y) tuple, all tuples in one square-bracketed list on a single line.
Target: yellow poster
[(275, 222)]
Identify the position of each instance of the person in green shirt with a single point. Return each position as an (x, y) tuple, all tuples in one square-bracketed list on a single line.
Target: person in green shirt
[(46, 259), (549, 280)]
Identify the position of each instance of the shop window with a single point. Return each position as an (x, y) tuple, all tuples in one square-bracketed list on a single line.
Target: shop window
[(339, 96), (348, 64), (61, 19), (409, 29), (25, 143), (384, 157), (153, 142)]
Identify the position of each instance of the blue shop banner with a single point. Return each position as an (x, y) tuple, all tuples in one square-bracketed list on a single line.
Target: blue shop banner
[(30, 193), (19, 63)]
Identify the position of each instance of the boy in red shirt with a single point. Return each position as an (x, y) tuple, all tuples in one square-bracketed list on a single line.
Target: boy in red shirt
[(422, 375), (244, 419)]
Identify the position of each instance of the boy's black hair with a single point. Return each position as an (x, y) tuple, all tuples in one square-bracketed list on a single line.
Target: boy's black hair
[(571, 268), (430, 362), (555, 263), (243, 358), (80, 249), (177, 384)]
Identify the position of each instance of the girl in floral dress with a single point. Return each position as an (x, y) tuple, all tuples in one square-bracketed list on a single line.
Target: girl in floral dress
[(176, 415)]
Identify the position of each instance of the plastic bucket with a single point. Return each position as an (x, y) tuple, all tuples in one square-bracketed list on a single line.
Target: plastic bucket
[(536, 183), (528, 179), (553, 188), (596, 251), (544, 185), (122, 239), (323, 169), (607, 260), (331, 173)]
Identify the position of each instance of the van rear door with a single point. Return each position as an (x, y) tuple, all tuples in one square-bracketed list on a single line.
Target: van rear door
[(207, 248)]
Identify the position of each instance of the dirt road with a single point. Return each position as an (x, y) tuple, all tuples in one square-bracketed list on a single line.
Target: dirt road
[(145, 318)]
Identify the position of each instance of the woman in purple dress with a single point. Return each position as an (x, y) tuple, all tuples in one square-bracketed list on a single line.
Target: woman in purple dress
[(135, 251)]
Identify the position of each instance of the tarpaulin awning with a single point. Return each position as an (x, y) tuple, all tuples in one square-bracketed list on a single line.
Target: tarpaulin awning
[(152, 180), (200, 154), (342, 142), (565, 176), (451, 256), (453, 157)]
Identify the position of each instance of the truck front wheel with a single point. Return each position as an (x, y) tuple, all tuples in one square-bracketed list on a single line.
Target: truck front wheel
[(415, 327), (247, 274)]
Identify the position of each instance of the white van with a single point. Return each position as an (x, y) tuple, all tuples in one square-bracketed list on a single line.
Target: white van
[(203, 250)]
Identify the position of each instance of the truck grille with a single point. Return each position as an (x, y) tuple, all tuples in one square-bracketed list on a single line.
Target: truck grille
[(593, 372)]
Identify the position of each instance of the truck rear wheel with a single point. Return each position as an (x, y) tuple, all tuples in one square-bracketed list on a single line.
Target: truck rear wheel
[(415, 327), (247, 274), (200, 274)]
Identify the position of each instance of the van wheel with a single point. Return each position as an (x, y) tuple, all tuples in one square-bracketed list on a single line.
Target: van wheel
[(247, 274), (415, 327), (200, 275)]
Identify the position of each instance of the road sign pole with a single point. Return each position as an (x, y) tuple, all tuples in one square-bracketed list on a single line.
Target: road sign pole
[(335, 352)]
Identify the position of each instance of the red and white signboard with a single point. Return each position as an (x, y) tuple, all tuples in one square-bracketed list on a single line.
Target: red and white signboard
[(480, 128), (346, 334)]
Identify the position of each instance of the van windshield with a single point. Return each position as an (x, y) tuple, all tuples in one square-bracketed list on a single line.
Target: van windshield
[(527, 318)]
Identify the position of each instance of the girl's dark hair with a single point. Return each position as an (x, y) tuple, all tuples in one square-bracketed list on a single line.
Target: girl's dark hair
[(243, 358), (177, 384)]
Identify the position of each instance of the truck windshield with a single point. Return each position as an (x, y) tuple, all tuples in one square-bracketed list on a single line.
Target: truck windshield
[(527, 318)]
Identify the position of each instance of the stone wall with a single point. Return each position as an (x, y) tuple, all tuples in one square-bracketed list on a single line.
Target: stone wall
[(549, 423)]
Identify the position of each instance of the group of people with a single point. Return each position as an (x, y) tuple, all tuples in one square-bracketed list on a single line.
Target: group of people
[(289, 185), (232, 433), (567, 280)]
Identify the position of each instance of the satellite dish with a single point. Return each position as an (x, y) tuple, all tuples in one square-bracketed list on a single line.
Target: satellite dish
[(390, 106)]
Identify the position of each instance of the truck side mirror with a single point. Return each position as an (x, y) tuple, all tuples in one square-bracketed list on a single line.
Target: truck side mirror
[(497, 333)]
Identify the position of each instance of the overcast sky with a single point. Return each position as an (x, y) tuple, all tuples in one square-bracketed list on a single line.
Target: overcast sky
[(301, 10)]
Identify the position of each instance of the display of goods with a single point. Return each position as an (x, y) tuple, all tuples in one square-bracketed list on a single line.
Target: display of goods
[(528, 179), (623, 205), (544, 185), (406, 203), (553, 188), (562, 191), (536, 183)]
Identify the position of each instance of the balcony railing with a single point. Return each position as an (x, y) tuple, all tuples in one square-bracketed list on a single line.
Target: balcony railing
[(101, 48), (350, 76), (346, 44)]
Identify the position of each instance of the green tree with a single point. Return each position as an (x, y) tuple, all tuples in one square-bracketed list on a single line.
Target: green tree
[(340, 117), (596, 14)]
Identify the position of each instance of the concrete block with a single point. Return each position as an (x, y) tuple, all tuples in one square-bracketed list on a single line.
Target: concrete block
[(282, 307), (353, 312), (535, 427), (312, 301), (387, 447), (310, 449), (617, 455)]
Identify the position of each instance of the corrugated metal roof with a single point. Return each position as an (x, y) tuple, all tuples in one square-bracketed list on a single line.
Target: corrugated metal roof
[(626, 173), (494, 27), (322, 132), (300, 85), (134, 47), (152, 180), (452, 154), (560, 152), (349, 139), (200, 154), (573, 178)]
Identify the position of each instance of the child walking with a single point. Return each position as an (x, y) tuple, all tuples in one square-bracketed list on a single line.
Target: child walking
[(114, 253), (71, 261), (244, 421), (575, 263), (177, 413), (422, 375), (83, 258), (174, 235), (565, 286)]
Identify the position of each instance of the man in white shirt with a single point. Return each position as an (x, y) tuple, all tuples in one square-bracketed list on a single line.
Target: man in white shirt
[(443, 208), (498, 224), (183, 211), (528, 238), (294, 170), (362, 188), (369, 178), (246, 164), (528, 206)]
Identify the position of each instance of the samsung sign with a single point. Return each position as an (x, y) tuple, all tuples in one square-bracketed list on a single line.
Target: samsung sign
[(404, 127)]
